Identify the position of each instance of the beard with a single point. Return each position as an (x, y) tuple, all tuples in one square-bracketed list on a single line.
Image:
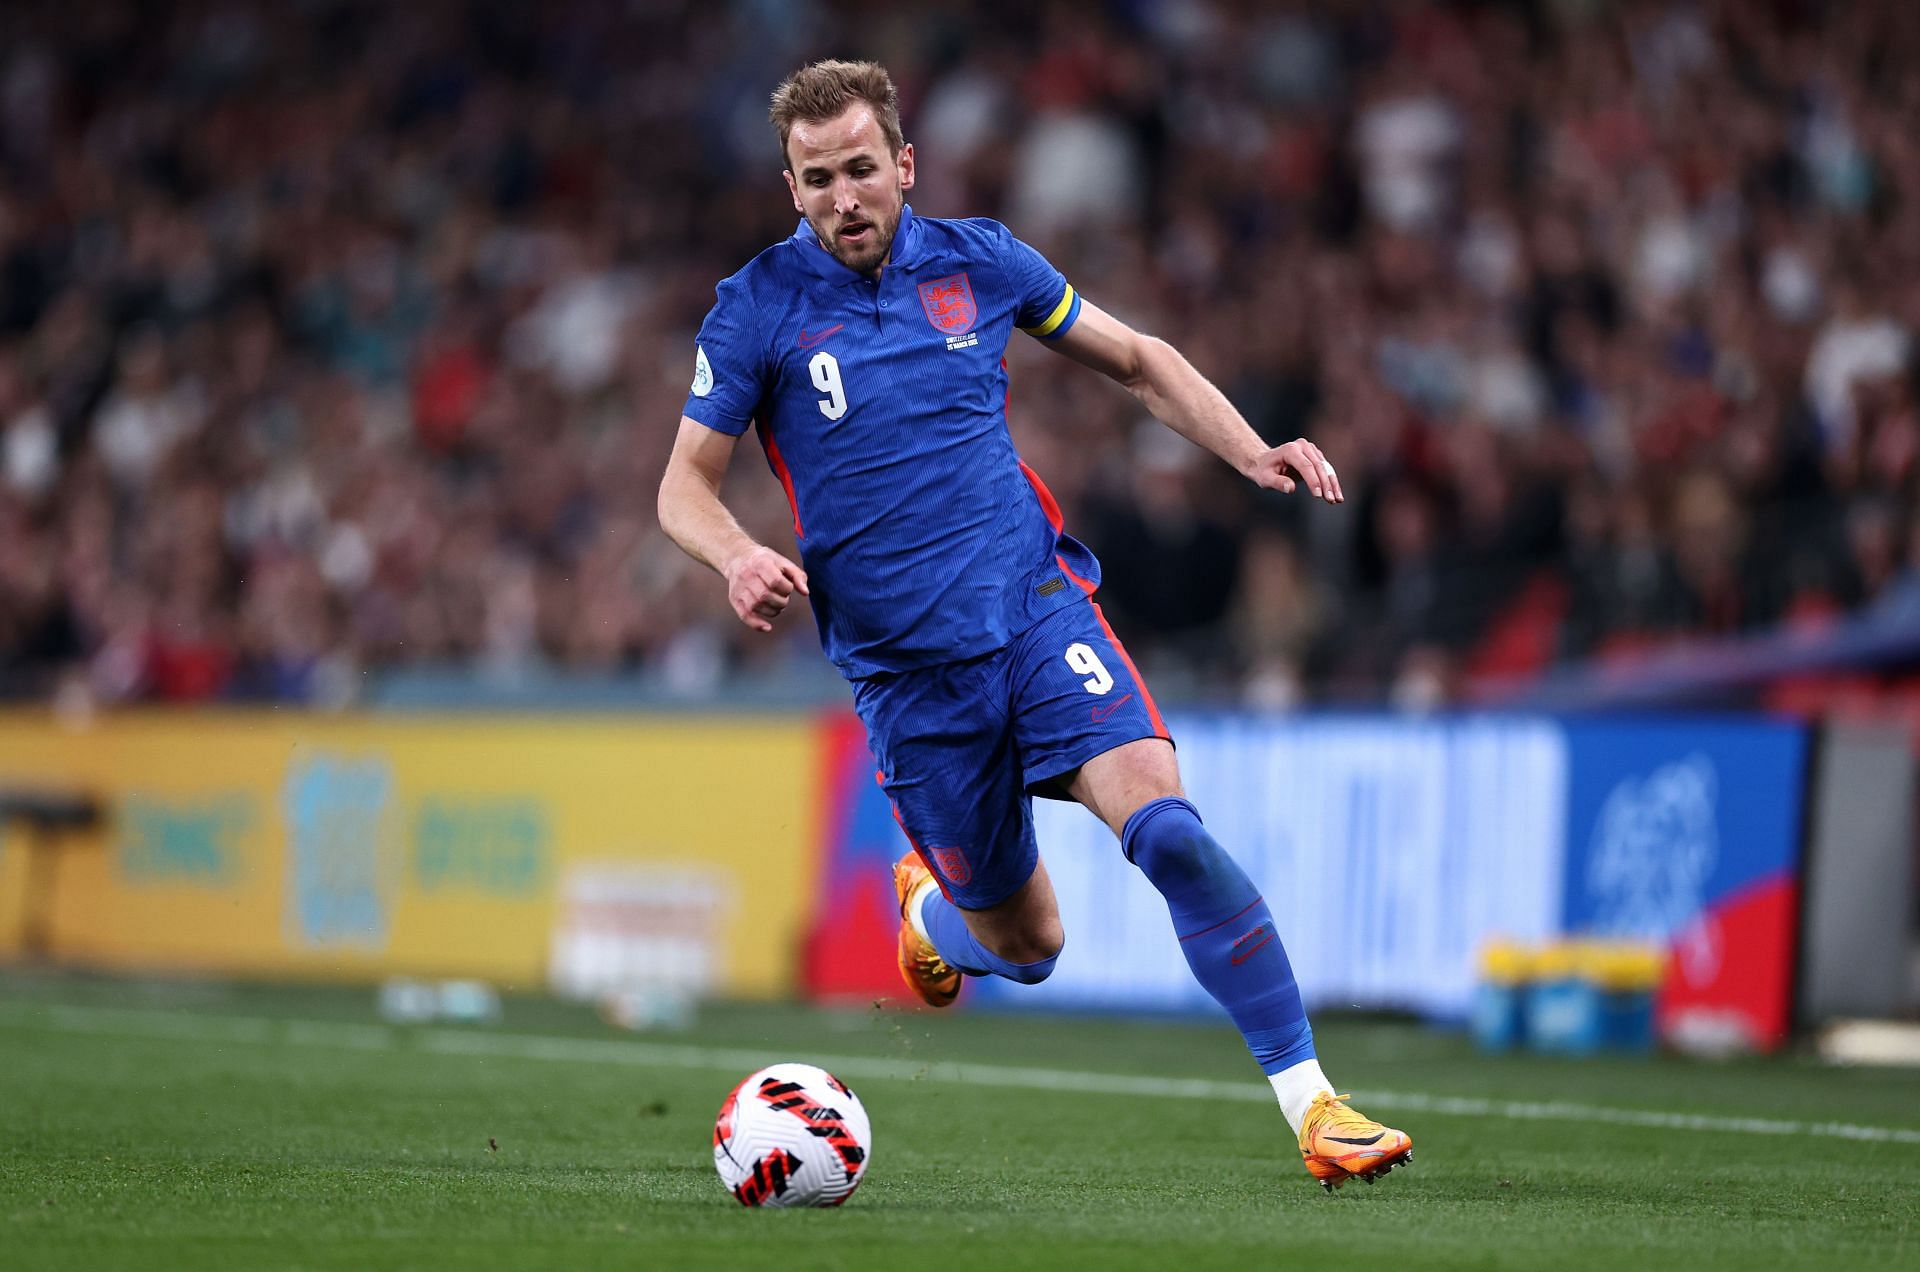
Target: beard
[(865, 256)]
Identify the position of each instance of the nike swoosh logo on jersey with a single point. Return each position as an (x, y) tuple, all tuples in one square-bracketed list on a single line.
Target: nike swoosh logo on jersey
[(809, 339), (1102, 714)]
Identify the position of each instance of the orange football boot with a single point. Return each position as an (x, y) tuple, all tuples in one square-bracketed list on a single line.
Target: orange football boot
[(926, 973), (1339, 1144)]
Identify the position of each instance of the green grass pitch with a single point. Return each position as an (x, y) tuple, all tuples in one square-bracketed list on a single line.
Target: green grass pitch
[(195, 1126)]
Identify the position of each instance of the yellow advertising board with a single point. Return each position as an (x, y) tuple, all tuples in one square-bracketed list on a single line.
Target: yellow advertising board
[(523, 851)]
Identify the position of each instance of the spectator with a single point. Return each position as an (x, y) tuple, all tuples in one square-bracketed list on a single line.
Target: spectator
[(343, 338)]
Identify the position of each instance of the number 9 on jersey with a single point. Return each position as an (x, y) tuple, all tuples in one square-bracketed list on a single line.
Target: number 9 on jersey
[(1082, 658), (825, 369)]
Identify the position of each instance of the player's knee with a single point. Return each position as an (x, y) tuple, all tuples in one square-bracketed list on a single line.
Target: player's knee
[(1035, 972), (1166, 840), (1032, 951)]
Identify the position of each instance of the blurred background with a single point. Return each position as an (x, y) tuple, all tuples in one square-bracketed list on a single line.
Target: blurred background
[(342, 344)]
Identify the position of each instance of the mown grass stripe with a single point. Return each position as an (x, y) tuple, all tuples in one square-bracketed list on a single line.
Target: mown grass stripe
[(199, 1027)]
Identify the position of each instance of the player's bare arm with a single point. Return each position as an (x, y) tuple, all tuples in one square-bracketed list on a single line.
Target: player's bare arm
[(1184, 400), (760, 582)]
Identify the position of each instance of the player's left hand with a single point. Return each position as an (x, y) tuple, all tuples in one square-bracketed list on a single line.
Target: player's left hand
[(1298, 462)]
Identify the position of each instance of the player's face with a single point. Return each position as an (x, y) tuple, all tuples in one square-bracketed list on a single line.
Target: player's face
[(849, 186)]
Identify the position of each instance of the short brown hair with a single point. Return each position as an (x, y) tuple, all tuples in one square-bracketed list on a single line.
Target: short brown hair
[(823, 90)]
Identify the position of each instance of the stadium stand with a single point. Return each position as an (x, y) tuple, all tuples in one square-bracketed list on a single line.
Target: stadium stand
[(341, 342)]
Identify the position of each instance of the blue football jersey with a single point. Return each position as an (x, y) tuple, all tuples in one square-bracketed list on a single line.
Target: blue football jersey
[(881, 404)]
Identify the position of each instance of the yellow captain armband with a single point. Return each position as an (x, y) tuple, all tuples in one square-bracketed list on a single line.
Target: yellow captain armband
[(1068, 306)]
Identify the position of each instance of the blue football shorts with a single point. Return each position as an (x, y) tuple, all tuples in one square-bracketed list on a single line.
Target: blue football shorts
[(963, 747)]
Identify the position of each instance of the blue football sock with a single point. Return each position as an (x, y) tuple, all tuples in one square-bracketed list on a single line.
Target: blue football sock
[(1225, 929), (947, 929)]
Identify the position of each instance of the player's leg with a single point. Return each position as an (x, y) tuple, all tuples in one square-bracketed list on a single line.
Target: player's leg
[(1023, 930), (1019, 939), (973, 897), (1088, 726), (1088, 722), (1226, 929), (1230, 941)]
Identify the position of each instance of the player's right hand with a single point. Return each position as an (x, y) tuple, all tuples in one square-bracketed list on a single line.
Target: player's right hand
[(760, 583)]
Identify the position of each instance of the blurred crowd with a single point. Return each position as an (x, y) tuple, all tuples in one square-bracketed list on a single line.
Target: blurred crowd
[(342, 339)]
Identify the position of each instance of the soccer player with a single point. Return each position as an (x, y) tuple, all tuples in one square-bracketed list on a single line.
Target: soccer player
[(868, 350)]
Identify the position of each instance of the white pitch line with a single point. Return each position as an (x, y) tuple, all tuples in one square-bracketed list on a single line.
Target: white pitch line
[(658, 1055)]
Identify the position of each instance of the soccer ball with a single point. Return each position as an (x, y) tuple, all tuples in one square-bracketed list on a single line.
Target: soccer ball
[(791, 1135)]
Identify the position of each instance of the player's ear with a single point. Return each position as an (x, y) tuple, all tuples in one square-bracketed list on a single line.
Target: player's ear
[(905, 160), (793, 188)]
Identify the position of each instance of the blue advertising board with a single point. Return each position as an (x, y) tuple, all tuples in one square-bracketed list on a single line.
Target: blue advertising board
[(1391, 850), (1686, 832)]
